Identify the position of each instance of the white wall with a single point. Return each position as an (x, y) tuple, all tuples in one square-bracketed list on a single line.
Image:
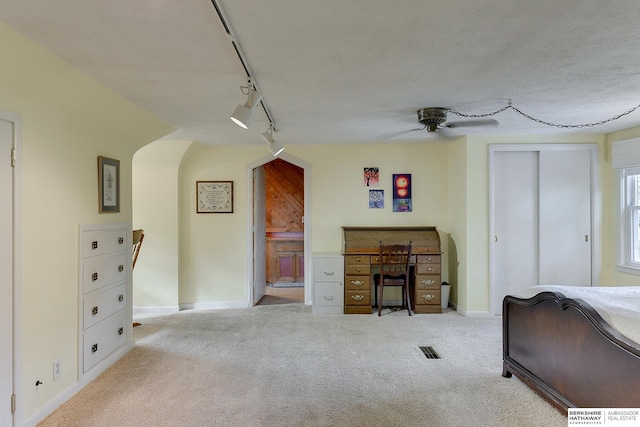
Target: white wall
[(213, 246), (68, 121), (155, 209)]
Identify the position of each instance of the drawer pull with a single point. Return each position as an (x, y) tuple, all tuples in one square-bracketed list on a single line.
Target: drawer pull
[(94, 277), (329, 273), (121, 331), (358, 269), (94, 348), (120, 240), (121, 268), (120, 298), (429, 269), (94, 310), (428, 297), (429, 282), (94, 244), (429, 258), (328, 297), (357, 282), (357, 297), (358, 258)]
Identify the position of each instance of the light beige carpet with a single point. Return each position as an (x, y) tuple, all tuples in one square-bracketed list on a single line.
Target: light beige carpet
[(280, 365)]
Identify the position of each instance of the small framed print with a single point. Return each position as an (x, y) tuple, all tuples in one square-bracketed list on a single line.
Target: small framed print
[(108, 184), (214, 196), (376, 199), (371, 177)]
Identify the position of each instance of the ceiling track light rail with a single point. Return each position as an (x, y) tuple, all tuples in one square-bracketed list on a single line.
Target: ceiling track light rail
[(234, 41)]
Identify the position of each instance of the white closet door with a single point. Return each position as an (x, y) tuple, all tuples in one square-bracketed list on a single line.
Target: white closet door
[(565, 218), (6, 275), (515, 180), (259, 234)]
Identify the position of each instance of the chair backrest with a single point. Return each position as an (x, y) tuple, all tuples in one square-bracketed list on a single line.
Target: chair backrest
[(395, 260), (138, 237)]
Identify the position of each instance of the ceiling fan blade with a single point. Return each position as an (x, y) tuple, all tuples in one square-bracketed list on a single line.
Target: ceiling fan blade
[(471, 123), (397, 134)]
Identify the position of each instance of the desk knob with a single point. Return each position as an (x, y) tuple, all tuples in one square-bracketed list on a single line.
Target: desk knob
[(357, 282), (357, 297), (428, 297)]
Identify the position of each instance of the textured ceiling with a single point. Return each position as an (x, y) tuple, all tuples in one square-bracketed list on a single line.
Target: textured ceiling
[(352, 71)]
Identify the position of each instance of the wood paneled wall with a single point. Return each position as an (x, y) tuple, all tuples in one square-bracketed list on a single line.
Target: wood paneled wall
[(284, 196)]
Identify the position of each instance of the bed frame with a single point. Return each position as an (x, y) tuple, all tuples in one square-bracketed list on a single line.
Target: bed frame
[(566, 352)]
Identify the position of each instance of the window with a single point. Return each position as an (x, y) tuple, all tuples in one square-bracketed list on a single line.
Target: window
[(630, 218)]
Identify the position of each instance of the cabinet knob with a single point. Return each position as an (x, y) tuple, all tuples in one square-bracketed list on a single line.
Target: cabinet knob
[(357, 282), (428, 297), (358, 258), (357, 297), (120, 240), (428, 282), (121, 268), (94, 277), (94, 244), (94, 348), (120, 298), (94, 311), (121, 331)]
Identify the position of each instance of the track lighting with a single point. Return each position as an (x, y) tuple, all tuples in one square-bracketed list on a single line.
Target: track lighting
[(274, 146), (243, 114)]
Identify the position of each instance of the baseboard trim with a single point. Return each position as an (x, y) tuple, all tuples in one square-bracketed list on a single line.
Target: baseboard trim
[(156, 310), (213, 305)]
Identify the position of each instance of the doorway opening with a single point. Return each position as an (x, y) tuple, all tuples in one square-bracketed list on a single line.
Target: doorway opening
[(280, 239)]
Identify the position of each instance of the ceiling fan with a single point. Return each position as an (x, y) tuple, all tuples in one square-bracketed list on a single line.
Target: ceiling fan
[(434, 118)]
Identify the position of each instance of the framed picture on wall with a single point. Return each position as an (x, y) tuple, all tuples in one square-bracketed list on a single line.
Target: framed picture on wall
[(376, 199), (402, 192), (214, 196), (108, 184), (371, 177)]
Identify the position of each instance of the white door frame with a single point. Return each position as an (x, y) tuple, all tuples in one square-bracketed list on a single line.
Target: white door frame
[(308, 291), (596, 210), (16, 344)]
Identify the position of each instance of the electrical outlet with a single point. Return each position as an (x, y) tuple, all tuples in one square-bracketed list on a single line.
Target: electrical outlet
[(57, 369)]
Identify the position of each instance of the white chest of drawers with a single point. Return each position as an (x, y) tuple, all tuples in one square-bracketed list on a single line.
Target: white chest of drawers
[(328, 284), (104, 272)]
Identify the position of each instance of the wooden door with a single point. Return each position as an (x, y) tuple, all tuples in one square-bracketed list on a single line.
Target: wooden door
[(6, 272)]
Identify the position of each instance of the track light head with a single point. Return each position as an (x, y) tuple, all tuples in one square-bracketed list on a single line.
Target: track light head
[(243, 114), (274, 146)]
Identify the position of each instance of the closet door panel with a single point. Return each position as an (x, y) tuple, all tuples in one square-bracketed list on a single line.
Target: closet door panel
[(565, 217), (515, 223)]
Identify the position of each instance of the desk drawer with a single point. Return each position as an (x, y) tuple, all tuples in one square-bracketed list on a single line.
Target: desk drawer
[(328, 269), (103, 271), (428, 259), (357, 259), (361, 297), (428, 297), (428, 268), (355, 270), (428, 282), (356, 283)]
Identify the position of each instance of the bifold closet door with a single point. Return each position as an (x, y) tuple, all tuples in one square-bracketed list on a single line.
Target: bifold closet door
[(565, 217)]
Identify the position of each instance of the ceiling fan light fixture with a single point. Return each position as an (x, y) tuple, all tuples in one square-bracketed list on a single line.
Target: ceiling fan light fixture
[(432, 117)]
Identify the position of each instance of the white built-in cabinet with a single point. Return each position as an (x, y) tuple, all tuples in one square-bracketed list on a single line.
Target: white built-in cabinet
[(328, 284), (542, 217), (104, 295)]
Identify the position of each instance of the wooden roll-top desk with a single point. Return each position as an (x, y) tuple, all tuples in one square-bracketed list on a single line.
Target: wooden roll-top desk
[(361, 259)]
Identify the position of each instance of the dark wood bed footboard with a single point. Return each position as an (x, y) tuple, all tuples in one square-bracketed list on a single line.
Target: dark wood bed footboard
[(567, 353)]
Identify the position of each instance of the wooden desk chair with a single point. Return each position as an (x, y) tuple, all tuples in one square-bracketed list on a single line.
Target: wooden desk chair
[(138, 237), (395, 270)]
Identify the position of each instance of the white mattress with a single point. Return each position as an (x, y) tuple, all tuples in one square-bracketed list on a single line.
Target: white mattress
[(619, 306)]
